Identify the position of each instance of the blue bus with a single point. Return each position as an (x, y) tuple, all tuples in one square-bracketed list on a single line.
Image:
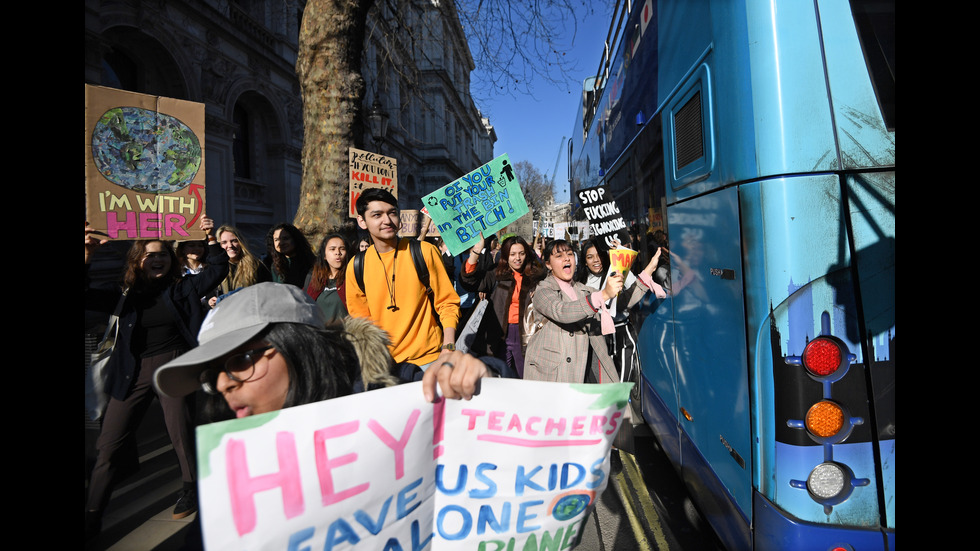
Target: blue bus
[(758, 138)]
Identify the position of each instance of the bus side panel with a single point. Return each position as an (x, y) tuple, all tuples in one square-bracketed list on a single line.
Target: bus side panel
[(804, 240), (709, 330), (871, 197), (655, 345), (790, 108), (863, 138), (781, 533)]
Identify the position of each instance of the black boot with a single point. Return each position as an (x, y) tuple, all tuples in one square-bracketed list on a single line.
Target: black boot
[(186, 501), (93, 525)]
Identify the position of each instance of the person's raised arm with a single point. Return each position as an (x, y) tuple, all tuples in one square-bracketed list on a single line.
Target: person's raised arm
[(476, 250), (92, 242)]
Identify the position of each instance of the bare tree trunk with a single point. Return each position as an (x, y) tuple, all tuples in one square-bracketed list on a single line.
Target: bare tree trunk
[(328, 66)]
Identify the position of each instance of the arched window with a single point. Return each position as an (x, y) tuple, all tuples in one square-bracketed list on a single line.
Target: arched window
[(119, 71), (241, 143)]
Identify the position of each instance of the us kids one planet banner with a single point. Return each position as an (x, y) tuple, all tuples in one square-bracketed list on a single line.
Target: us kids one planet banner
[(605, 221), (485, 200), (144, 165), (385, 470), (369, 170)]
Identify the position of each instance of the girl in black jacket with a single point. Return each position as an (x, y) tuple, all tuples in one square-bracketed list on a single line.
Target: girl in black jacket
[(159, 319), (508, 286)]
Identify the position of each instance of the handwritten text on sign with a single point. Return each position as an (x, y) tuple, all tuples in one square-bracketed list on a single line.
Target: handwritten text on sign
[(385, 470), (369, 170), (485, 200), (144, 165), (605, 221)]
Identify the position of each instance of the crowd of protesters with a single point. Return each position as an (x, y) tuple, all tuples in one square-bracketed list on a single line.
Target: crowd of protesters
[(363, 310)]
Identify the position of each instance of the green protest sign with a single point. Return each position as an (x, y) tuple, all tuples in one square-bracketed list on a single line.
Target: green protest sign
[(485, 200)]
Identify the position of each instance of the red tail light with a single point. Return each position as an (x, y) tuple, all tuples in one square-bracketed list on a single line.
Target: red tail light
[(822, 357)]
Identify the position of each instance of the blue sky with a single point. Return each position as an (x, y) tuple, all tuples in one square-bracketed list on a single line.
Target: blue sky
[(531, 129)]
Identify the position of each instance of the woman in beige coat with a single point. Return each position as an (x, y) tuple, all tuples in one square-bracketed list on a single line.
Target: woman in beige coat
[(570, 347)]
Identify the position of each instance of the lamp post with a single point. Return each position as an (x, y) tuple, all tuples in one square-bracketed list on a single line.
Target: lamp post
[(378, 120)]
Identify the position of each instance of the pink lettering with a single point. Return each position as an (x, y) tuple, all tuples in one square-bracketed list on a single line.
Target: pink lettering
[(529, 429), (578, 425), (114, 226), (472, 414), (613, 422), (147, 229), (397, 446), (242, 487), (174, 224), (515, 423), (494, 420), (325, 465), (598, 421), (554, 427)]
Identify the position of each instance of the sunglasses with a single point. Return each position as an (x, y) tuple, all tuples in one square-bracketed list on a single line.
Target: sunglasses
[(238, 367)]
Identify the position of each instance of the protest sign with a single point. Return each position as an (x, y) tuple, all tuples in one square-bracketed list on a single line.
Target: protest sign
[(605, 221), (369, 170), (386, 470), (485, 200), (621, 259), (144, 165), (409, 220)]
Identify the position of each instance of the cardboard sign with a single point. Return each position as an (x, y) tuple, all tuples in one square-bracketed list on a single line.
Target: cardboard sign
[(621, 259), (144, 165), (386, 470), (605, 221), (485, 200), (369, 170), (561, 230)]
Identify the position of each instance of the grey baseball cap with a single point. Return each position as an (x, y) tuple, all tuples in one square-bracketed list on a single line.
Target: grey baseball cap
[(233, 321)]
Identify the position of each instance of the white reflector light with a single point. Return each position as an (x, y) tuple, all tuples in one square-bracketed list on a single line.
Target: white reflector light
[(826, 480)]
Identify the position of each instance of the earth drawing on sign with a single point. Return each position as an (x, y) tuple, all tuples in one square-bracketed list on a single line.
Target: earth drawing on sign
[(145, 151)]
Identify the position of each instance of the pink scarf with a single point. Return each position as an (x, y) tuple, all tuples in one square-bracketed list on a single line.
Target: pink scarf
[(605, 318)]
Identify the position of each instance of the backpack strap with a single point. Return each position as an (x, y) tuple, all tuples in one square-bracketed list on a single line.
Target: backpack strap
[(420, 267), (359, 269)]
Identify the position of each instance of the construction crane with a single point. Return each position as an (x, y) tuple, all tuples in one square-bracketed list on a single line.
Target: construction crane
[(551, 182)]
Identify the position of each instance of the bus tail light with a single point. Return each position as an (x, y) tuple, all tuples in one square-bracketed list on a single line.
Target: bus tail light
[(825, 419), (825, 359), (830, 483)]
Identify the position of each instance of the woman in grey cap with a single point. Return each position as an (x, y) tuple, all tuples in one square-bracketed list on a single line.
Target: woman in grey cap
[(266, 347)]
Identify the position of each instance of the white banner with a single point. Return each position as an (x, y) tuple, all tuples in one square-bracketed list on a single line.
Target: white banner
[(520, 464)]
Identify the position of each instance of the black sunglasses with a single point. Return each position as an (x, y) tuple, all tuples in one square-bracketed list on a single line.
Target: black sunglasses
[(238, 367)]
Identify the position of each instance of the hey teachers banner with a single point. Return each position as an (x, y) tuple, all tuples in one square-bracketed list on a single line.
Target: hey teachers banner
[(386, 470)]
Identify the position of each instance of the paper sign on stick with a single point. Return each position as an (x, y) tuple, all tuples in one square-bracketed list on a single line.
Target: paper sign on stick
[(144, 165), (621, 259), (485, 200), (369, 170), (385, 469)]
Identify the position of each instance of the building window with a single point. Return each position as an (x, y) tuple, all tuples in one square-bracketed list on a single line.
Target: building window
[(241, 144), (119, 71)]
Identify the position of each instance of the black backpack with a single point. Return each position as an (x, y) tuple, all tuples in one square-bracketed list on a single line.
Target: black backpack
[(416, 248)]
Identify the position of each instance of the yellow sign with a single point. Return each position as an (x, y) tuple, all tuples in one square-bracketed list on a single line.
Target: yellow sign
[(621, 259)]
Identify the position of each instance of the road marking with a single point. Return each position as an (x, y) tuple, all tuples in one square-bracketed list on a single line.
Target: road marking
[(639, 489), (639, 533)]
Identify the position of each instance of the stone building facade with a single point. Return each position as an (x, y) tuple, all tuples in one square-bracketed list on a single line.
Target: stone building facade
[(238, 58)]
